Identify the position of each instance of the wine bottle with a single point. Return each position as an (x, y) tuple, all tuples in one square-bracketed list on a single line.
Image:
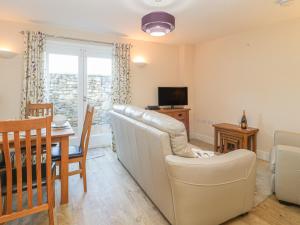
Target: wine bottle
[(244, 124)]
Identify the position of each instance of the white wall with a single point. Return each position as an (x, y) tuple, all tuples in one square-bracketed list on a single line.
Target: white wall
[(186, 68), (11, 72), (162, 69), (257, 71), (163, 66)]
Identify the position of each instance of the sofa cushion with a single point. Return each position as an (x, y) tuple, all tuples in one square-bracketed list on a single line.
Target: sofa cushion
[(134, 112), (174, 128), (119, 108)]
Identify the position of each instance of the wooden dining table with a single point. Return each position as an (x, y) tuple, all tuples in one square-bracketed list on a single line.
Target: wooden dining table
[(61, 136)]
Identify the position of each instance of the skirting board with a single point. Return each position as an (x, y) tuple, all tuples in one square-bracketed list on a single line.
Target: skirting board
[(263, 155)]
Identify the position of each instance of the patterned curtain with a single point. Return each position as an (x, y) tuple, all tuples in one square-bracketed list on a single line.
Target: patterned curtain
[(121, 74), (34, 82), (121, 77)]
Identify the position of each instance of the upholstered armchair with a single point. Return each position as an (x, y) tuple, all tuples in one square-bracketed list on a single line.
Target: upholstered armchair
[(285, 166)]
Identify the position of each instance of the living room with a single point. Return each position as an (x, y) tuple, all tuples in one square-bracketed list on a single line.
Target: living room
[(230, 56)]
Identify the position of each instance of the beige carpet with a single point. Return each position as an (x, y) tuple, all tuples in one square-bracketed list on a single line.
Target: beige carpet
[(263, 175), (263, 182)]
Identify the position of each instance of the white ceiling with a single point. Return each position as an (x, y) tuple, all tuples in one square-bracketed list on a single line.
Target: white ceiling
[(196, 20)]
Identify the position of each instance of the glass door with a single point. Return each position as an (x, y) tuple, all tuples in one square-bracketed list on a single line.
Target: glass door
[(78, 75), (97, 91), (63, 82)]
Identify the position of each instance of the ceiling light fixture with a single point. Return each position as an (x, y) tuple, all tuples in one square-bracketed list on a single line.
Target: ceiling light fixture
[(158, 23)]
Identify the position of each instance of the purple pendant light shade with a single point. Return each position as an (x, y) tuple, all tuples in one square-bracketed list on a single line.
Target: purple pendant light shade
[(158, 23)]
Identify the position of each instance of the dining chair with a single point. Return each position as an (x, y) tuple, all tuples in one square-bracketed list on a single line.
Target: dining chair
[(21, 172), (77, 154), (39, 110)]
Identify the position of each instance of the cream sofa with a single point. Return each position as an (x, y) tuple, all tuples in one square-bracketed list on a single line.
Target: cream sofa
[(285, 166), (188, 191)]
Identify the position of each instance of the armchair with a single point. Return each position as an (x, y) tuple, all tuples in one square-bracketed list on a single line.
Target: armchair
[(285, 166)]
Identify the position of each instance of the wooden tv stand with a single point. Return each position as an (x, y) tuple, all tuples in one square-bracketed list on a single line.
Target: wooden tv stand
[(181, 114)]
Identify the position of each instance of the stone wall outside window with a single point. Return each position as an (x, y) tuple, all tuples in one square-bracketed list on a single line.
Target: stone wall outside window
[(63, 92)]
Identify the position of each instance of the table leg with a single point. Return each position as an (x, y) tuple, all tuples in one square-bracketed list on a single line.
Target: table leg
[(254, 142), (64, 170), (221, 142), (225, 150), (216, 140), (245, 142)]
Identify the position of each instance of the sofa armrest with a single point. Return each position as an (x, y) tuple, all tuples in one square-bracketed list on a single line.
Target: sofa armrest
[(287, 158), (216, 170), (287, 138), (287, 173), (212, 190)]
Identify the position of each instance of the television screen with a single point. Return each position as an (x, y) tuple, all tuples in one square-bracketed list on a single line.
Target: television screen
[(172, 96)]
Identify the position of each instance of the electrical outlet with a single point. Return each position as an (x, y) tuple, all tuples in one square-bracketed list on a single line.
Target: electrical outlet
[(283, 2), (210, 122), (205, 122), (198, 120)]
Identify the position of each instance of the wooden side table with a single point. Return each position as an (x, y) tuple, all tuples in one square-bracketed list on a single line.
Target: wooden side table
[(229, 137)]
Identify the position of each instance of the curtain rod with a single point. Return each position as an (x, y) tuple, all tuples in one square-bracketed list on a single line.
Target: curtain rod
[(74, 39)]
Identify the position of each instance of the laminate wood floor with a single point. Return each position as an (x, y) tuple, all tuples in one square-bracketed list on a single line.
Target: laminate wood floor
[(113, 198)]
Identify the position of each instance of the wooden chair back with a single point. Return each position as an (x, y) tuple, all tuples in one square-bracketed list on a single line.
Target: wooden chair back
[(30, 134), (39, 110), (86, 130)]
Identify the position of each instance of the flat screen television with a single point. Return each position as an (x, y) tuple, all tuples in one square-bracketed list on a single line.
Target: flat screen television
[(172, 96)]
